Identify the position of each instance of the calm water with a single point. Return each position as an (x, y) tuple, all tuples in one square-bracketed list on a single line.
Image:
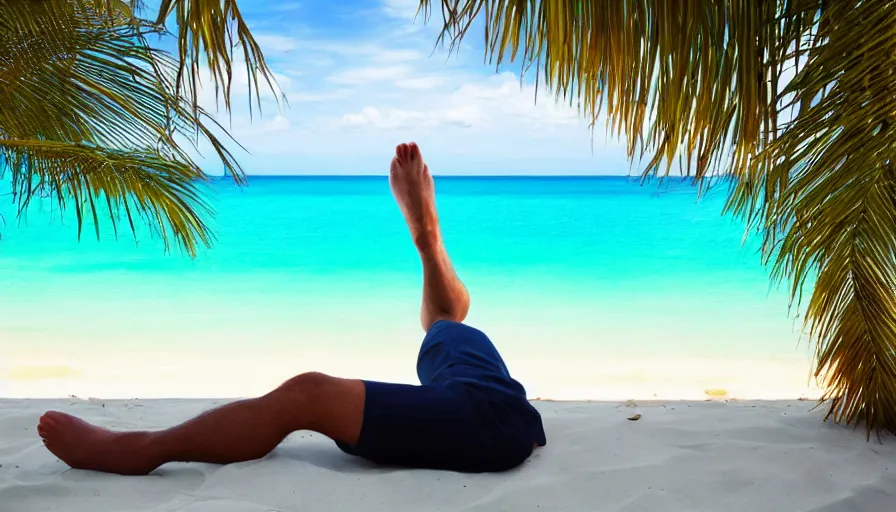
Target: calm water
[(591, 287)]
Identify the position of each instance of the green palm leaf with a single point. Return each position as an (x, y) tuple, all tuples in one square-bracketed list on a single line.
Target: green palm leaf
[(101, 181), (811, 157), (830, 206), (78, 77), (213, 28)]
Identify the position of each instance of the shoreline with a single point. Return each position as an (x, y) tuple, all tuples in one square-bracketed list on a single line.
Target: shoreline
[(549, 377)]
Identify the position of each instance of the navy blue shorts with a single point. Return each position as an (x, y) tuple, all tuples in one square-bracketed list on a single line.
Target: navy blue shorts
[(466, 415)]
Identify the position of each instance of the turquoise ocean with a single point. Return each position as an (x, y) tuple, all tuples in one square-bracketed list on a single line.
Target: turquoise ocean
[(592, 288)]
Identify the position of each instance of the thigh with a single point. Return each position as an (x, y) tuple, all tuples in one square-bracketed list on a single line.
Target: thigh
[(450, 346), (453, 352), (428, 426), (457, 354)]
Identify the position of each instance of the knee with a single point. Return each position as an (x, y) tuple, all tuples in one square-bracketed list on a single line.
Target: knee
[(325, 404), (305, 386)]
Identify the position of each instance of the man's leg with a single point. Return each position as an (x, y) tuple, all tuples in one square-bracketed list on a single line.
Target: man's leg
[(444, 296), (236, 432), (249, 429)]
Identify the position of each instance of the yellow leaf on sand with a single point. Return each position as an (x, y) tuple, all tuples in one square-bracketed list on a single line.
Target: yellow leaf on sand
[(716, 393)]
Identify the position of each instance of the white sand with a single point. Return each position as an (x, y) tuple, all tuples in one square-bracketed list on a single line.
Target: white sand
[(680, 456)]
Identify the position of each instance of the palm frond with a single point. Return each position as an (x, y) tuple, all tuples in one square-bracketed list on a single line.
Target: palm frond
[(74, 78), (213, 29), (100, 181), (828, 206), (674, 78), (812, 157)]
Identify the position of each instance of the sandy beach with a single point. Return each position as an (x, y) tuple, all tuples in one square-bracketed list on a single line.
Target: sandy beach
[(678, 456)]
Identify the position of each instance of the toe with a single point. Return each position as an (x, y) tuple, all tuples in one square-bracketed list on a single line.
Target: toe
[(50, 418), (403, 151), (413, 150), (395, 166)]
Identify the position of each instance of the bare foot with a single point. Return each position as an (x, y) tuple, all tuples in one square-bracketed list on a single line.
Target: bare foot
[(414, 191), (84, 446)]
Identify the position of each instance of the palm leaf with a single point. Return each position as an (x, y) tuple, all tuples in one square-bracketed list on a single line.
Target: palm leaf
[(75, 79), (830, 206), (213, 29), (811, 158), (140, 183)]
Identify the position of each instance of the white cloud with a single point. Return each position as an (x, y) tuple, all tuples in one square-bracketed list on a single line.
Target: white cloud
[(424, 82), (518, 102), (367, 75), (325, 49), (357, 98), (366, 50), (301, 97), (273, 43), (464, 116), (401, 9), (395, 118), (382, 55), (500, 98), (285, 6), (467, 124), (278, 124)]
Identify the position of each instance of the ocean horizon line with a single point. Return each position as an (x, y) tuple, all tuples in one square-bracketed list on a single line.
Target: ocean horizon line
[(484, 177), (441, 175)]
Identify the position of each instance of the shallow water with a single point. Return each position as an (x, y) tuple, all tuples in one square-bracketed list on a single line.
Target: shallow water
[(591, 288)]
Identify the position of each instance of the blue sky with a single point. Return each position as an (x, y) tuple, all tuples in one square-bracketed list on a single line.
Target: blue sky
[(361, 76)]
